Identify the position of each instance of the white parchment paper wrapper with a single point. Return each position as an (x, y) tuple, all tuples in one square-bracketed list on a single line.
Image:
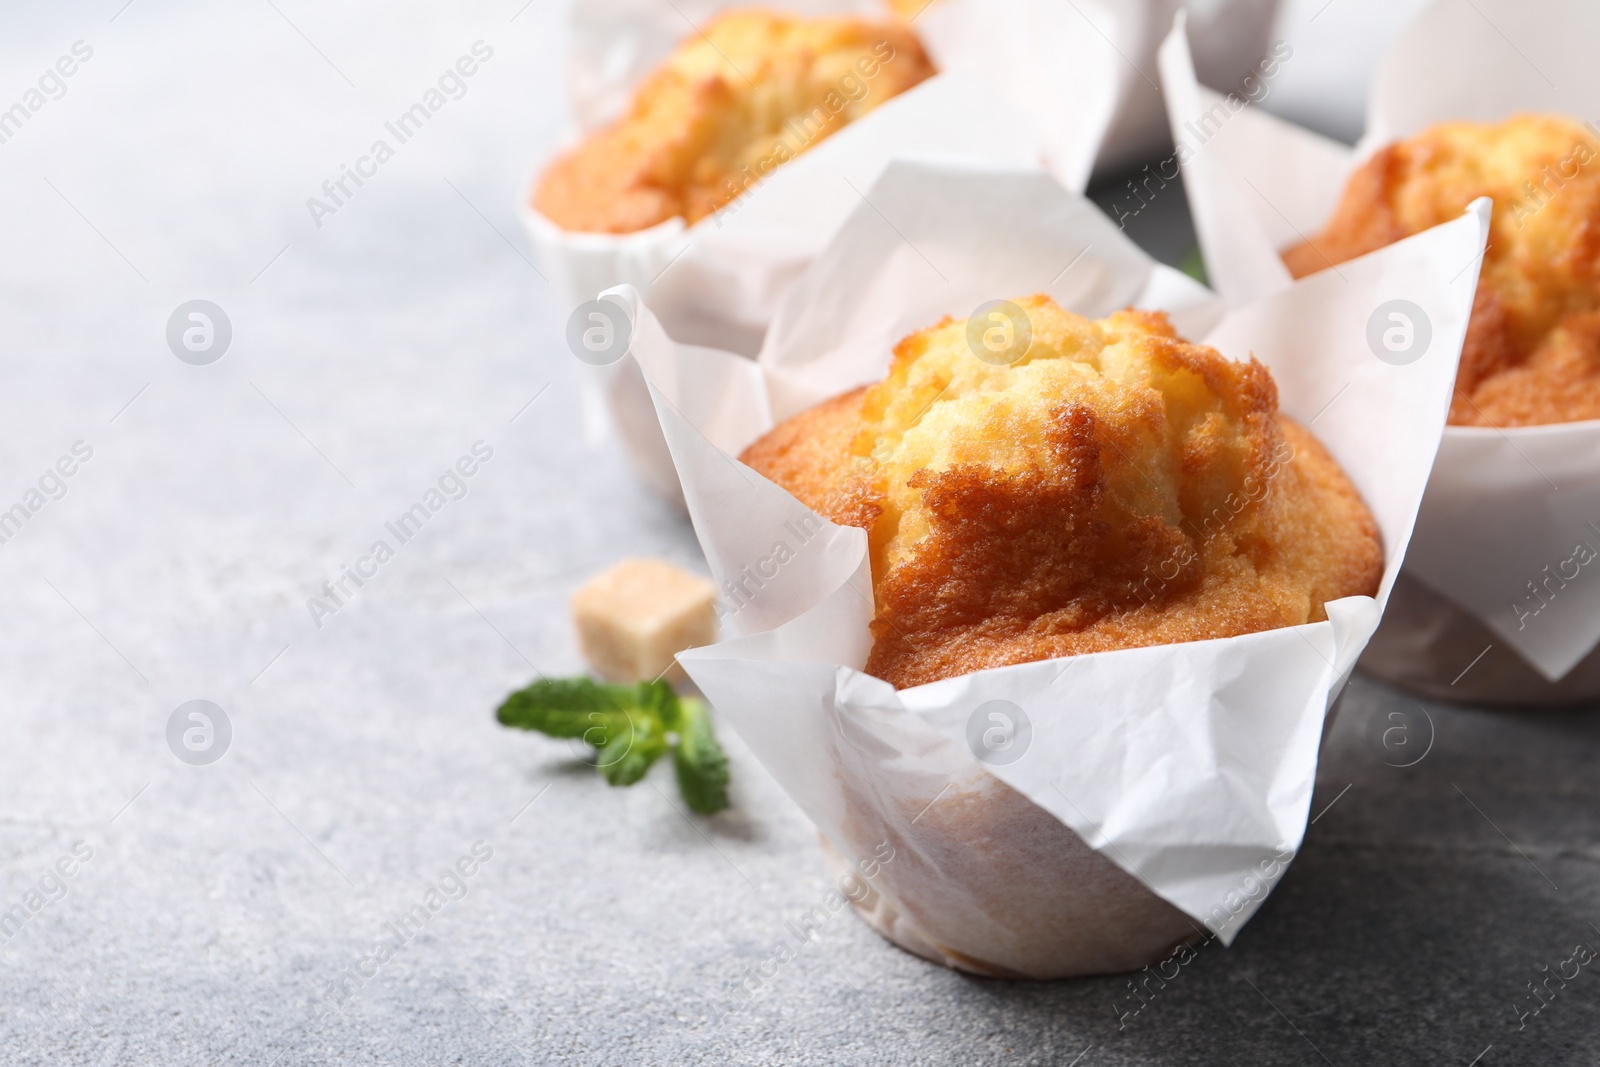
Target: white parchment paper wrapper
[(1059, 84), (1185, 767), (1502, 505), (728, 271), (1026, 81)]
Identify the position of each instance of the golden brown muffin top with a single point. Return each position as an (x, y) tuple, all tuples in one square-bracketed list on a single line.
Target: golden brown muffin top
[(1532, 352), (735, 100), (1115, 486)]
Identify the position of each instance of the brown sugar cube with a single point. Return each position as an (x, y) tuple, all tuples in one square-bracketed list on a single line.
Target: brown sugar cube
[(633, 618)]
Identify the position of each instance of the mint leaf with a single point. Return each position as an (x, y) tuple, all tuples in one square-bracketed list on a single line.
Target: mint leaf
[(568, 707), (628, 726), (624, 724), (700, 762), (631, 748)]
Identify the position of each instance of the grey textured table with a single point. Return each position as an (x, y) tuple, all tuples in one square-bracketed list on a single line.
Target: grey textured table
[(224, 914)]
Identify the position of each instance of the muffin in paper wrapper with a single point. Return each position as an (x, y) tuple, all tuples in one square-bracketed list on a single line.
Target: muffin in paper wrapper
[(1134, 799), (1503, 505), (1029, 81)]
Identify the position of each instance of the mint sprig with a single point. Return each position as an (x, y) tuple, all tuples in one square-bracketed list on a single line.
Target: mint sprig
[(701, 765), (629, 728)]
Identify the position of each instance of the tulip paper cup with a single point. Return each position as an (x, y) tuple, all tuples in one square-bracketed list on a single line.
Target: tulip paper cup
[(1028, 82), (1496, 604), (1068, 816)]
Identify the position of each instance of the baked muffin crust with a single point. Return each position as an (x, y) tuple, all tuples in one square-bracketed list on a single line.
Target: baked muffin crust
[(1532, 351), (735, 100), (1114, 487)]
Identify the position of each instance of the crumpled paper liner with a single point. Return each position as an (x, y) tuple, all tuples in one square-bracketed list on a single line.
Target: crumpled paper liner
[(1024, 82), (719, 281), (1431, 647), (985, 875), (1188, 768), (1502, 505)]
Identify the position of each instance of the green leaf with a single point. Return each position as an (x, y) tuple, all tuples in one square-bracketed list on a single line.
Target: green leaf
[(584, 708), (565, 707), (700, 762), (629, 751), (628, 727), (658, 698), (624, 724)]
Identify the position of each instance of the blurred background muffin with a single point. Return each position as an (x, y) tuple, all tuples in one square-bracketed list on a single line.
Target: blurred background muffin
[(1532, 354), (748, 92)]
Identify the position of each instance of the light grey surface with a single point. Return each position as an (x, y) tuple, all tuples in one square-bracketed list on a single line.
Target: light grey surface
[(222, 902)]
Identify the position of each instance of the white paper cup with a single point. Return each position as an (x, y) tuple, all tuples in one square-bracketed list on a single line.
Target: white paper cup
[(1429, 646), (1150, 791), (1502, 505), (988, 882)]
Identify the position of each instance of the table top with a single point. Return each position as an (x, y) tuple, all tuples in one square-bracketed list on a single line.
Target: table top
[(227, 912)]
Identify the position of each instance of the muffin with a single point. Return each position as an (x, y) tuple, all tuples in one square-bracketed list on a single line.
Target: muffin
[(1113, 486), (1532, 352), (749, 92)]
